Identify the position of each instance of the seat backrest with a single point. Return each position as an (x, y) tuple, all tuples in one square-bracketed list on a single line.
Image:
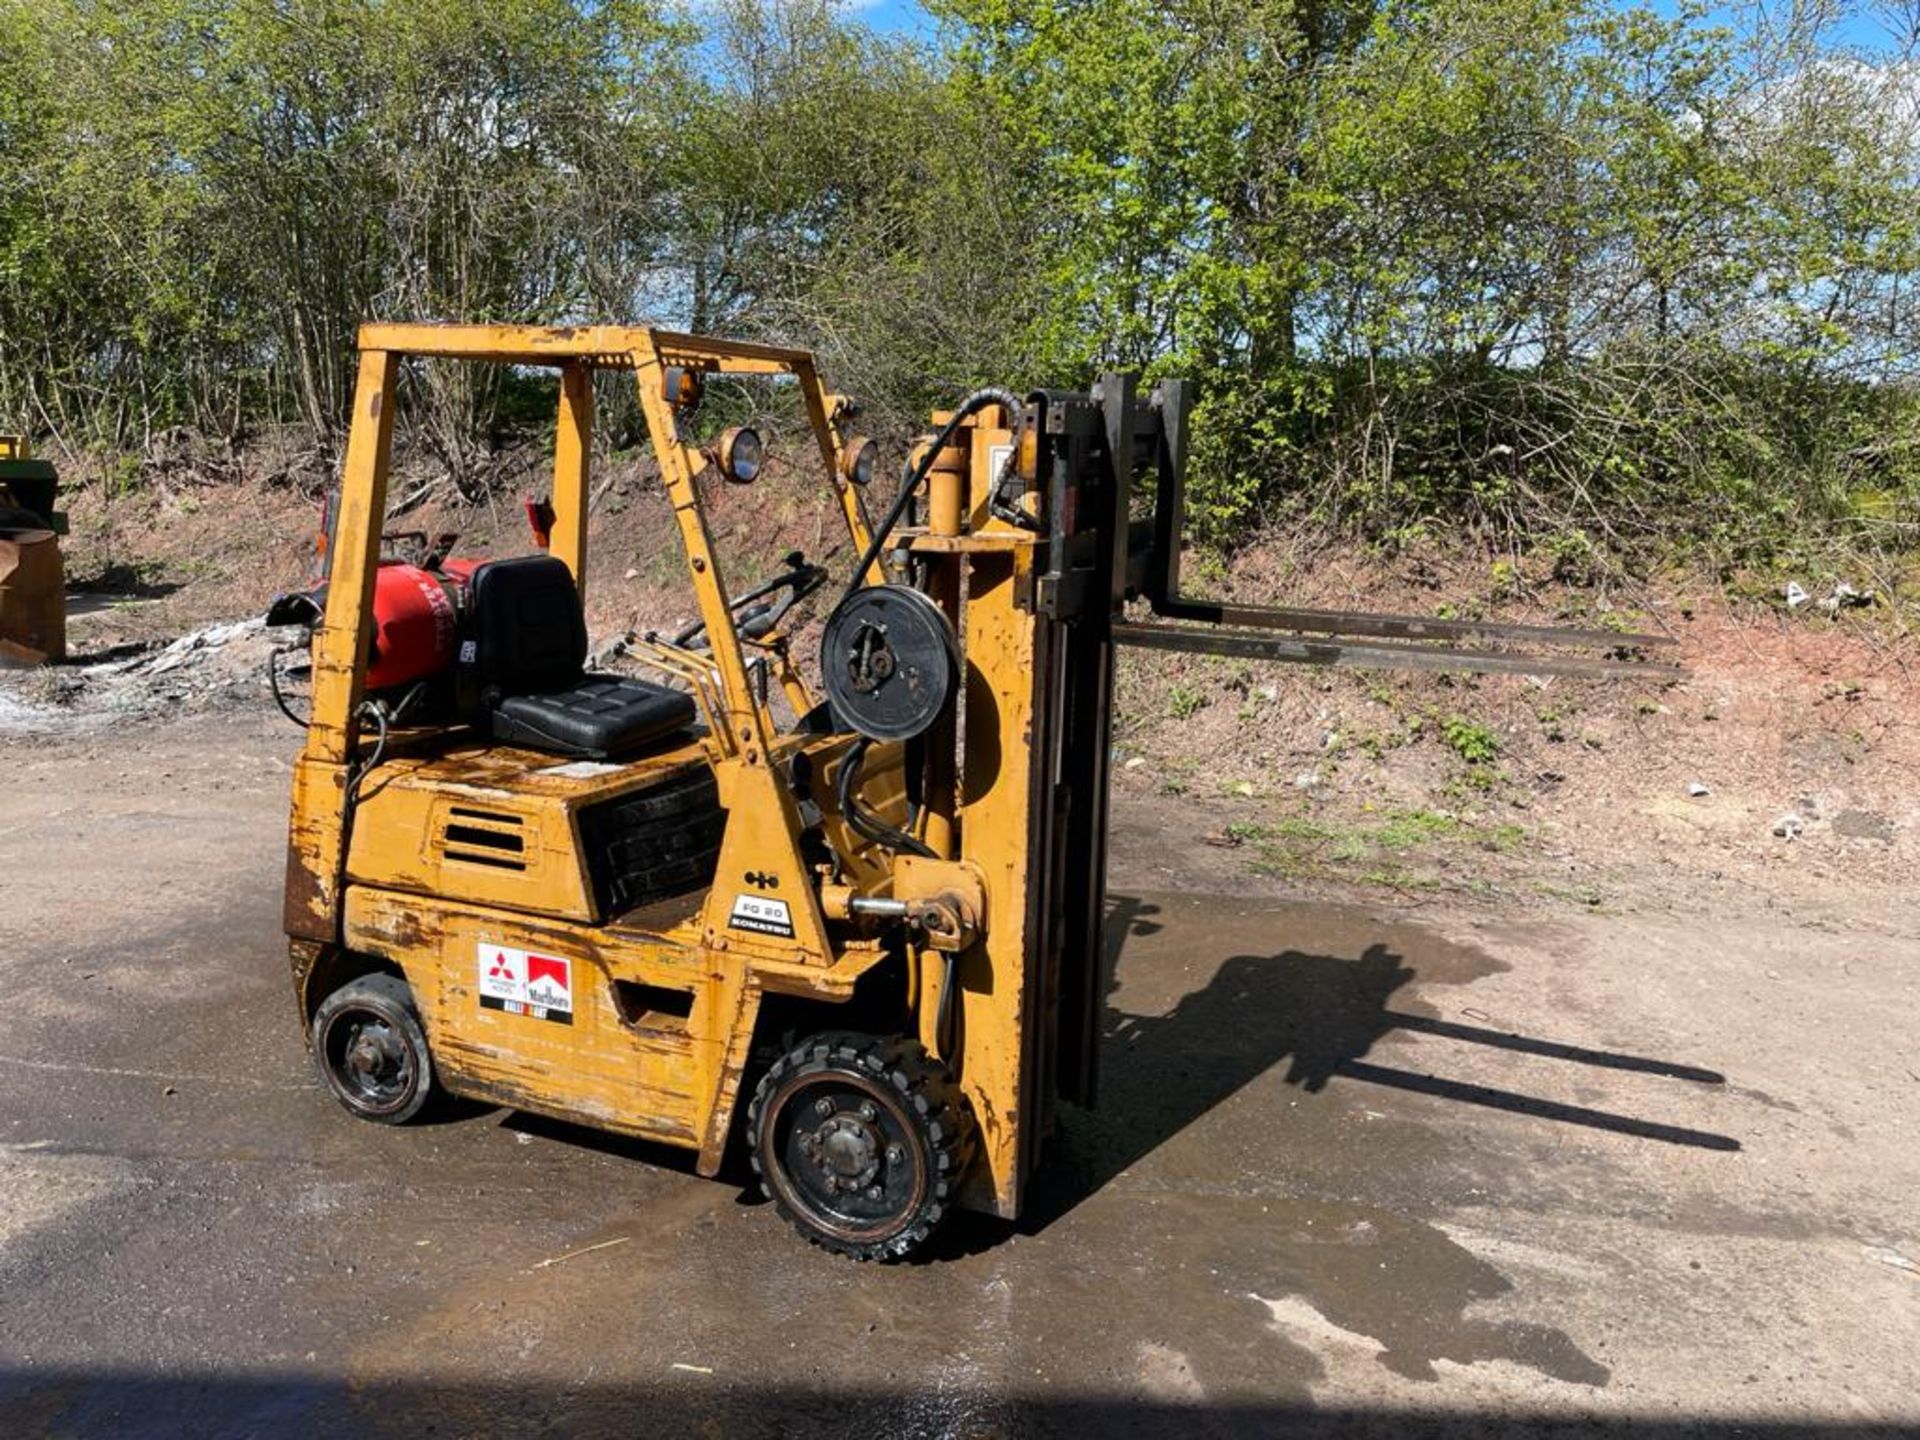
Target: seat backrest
[(526, 631)]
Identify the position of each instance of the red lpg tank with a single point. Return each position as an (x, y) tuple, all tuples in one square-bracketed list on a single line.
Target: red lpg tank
[(416, 621)]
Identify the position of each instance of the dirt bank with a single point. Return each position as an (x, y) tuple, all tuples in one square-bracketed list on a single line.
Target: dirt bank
[(1557, 795)]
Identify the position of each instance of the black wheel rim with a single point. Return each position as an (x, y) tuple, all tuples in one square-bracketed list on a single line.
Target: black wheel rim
[(369, 1061), (845, 1155)]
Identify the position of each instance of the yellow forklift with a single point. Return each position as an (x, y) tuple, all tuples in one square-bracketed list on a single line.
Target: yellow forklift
[(870, 918)]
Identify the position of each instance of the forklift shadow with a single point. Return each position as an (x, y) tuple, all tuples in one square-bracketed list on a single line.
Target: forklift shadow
[(1322, 1015)]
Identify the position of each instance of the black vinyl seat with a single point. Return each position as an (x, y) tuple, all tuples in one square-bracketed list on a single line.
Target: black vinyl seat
[(522, 669)]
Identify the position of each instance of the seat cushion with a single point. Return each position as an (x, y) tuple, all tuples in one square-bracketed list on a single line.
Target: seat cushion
[(601, 715), (526, 631)]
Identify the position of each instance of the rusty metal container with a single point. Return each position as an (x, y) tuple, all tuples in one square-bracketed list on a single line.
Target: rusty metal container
[(33, 598), (33, 587)]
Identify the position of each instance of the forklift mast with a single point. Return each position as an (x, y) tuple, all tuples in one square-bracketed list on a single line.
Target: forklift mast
[(1075, 510)]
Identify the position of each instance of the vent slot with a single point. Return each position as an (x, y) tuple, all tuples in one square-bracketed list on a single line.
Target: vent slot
[(491, 838), (485, 817), (476, 857)]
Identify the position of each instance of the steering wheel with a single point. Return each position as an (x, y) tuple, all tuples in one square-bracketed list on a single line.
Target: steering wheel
[(755, 614)]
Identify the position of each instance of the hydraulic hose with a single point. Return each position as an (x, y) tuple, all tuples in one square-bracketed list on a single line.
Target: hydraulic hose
[(1001, 503), (974, 403), (871, 827)]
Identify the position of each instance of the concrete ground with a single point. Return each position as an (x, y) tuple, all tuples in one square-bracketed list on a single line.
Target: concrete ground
[(1359, 1169)]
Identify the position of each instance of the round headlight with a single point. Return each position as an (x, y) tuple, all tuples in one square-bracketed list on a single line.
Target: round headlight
[(739, 455), (858, 459)]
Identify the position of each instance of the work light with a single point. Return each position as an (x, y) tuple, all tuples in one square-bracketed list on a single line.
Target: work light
[(858, 459), (739, 455), (680, 387)]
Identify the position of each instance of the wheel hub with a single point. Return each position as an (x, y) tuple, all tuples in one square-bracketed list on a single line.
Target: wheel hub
[(370, 1058), (847, 1153), (846, 1150)]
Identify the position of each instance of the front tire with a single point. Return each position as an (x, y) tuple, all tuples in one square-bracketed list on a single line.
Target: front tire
[(860, 1143), (372, 1051)]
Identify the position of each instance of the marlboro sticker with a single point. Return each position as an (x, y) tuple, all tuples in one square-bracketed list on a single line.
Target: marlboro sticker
[(522, 983)]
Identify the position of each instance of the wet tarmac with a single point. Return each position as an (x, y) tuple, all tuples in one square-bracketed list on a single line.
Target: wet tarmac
[(1355, 1170)]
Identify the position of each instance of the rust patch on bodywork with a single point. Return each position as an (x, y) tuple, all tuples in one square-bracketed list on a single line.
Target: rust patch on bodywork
[(308, 912)]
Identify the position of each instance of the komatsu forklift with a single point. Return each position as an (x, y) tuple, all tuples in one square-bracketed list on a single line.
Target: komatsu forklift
[(870, 919)]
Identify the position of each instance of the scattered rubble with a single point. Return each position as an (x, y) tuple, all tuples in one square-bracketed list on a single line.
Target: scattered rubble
[(1843, 597), (224, 658)]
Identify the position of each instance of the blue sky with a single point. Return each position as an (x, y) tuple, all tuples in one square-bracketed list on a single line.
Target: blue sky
[(902, 16), (1863, 28)]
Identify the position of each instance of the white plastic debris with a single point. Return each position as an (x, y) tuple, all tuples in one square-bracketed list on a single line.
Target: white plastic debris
[(1796, 595), (1697, 789), (1788, 827), (1882, 1255), (188, 648)]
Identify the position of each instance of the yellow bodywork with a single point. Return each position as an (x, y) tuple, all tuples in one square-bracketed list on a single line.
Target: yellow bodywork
[(668, 997)]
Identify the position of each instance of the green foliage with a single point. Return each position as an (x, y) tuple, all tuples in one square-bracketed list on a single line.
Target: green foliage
[(1524, 264), (1556, 269), (1472, 742)]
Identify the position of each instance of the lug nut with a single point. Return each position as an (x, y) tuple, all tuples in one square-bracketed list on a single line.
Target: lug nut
[(868, 1111), (896, 1154), (874, 1192), (823, 1106)]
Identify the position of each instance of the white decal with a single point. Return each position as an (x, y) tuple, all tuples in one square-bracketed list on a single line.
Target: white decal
[(503, 974), (757, 913), (997, 457)]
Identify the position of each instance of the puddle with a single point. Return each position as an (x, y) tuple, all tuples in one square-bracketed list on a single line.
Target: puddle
[(1402, 1292)]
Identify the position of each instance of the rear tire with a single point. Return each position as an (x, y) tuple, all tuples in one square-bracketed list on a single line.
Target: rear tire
[(372, 1050), (860, 1143)]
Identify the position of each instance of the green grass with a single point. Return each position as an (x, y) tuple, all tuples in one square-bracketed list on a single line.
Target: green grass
[(1410, 829), (1381, 852), (1185, 701)]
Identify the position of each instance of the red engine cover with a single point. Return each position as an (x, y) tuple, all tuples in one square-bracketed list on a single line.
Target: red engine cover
[(416, 621)]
